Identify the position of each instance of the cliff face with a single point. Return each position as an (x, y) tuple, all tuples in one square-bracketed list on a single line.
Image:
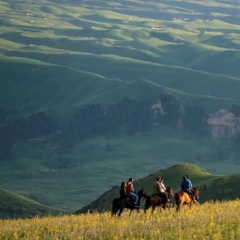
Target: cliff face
[(223, 123)]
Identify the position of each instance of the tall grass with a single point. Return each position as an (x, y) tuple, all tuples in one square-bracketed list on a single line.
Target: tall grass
[(208, 221)]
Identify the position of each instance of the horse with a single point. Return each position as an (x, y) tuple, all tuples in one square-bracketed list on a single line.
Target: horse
[(155, 200), (182, 197), (119, 204)]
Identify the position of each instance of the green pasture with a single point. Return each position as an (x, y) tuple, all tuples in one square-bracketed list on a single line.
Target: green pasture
[(71, 178)]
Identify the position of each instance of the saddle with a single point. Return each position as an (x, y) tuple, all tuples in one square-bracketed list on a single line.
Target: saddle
[(131, 198), (189, 194)]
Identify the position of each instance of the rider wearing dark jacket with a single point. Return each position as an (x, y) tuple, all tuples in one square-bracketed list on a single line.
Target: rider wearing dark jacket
[(122, 191), (186, 186)]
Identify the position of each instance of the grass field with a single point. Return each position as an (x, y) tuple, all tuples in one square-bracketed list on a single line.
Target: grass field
[(57, 56), (208, 221)]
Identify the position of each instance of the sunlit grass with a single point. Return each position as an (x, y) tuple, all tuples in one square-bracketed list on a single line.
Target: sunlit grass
[(209, 221)]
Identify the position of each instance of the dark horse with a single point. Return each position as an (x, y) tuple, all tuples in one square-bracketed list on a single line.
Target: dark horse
[(182, 197), (155, 200), (119, 204)]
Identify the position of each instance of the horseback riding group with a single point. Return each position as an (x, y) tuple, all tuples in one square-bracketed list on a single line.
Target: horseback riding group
[(161, 195)]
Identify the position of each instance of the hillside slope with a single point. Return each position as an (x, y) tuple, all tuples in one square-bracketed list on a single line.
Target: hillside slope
[(144, 89), (212, 187), (14, 205), (29, 86), (112, 66), (59, 90)]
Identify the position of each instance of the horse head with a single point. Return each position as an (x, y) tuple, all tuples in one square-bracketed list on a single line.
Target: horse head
[(196, 192), (142, 193), (169, 191)]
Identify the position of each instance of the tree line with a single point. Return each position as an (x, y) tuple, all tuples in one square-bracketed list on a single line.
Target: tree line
[(132, 116), (15, 130), (128, 115)]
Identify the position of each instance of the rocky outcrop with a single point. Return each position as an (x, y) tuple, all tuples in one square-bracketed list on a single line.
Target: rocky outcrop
[(223, 123)]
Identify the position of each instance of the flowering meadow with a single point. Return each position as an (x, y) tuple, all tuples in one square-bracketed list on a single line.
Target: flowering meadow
[(209, 221)]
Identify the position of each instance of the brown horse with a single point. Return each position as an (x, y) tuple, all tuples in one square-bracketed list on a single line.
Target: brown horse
[(155, 200), (119, 204), (182, 197)]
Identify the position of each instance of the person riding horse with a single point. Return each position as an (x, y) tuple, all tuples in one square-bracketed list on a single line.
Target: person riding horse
[(124, 201), (186, 186), (123, 194), (160, 190), (130, 190)]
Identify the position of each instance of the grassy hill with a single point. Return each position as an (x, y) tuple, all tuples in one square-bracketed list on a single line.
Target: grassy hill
[(115, 41), (217, 187), (66, 89), (15, 206), (57, 56), (143, 89)]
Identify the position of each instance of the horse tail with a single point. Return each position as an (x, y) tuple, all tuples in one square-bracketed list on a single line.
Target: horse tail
[(177, 198), (114, 206), (147, 202)]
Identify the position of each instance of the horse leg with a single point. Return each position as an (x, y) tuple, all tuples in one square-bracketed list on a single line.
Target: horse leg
[(153, 208), (130, 212), (179, 206), (190, 205), (114, 210), (113, 213), (169, 208), (120, 211), (160, 209)]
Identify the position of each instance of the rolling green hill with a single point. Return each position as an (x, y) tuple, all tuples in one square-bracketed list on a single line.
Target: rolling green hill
[(212, 187), (65, 88), (116, 41), (15, 206), (142, 88)]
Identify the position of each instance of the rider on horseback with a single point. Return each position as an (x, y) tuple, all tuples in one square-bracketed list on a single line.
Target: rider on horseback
[(186, 186), (160, 190), (123, 194), (130, 190), (122, 191)]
